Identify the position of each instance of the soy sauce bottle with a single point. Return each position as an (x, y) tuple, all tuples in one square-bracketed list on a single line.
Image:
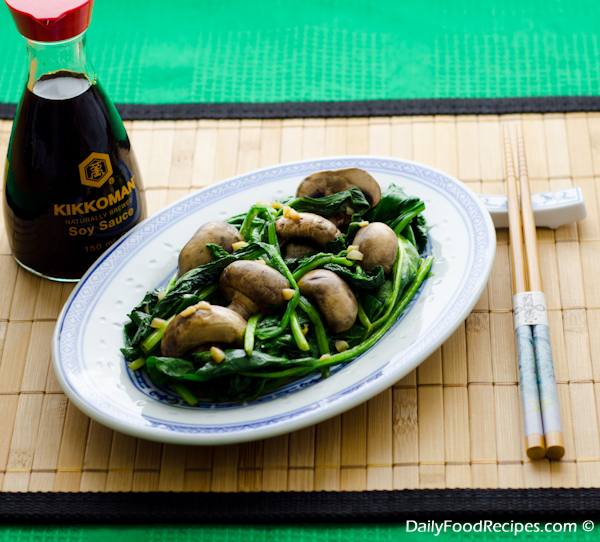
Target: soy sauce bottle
[(72, 183)]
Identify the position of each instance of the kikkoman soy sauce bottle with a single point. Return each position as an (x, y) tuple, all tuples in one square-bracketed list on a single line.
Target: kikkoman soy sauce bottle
[(72, 183)]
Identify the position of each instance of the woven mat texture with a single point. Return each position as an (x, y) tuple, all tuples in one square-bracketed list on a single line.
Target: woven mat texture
[(253, 533), (455, 422), (314, 50)]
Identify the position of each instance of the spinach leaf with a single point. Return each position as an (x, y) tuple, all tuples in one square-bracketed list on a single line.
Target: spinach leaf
[(419, 228), (393, 203), (399, 211), (373, 302), (147, 304), (129, 332), (357, 277), (236, 361), (353, 336), (131, 354), (410, 262), (333, 204), (236, 220)]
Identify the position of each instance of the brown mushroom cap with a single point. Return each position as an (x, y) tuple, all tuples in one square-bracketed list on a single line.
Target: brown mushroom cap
[(325, 183), (195, 253), (205, 326), (251, 286), (379, 246), (333, 297), (296, 248), (308, 226)]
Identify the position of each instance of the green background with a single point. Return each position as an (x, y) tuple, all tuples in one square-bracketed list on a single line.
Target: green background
[(251, 533), (154, 51)]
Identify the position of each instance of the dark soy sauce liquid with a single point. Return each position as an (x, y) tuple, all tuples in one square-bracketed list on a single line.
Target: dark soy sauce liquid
[(63, 205)]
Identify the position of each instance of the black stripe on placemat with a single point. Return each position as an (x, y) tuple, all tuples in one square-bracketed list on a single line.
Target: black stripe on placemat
[(367, 506), (372, 108)]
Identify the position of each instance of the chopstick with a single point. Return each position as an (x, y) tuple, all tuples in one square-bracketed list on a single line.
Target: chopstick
[(532, 417), (551, 422)]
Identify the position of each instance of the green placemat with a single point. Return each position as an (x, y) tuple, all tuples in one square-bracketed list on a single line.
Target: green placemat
[(189, 51), (297, 533)]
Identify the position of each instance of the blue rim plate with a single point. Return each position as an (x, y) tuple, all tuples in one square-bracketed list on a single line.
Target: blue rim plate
[(88, 334)]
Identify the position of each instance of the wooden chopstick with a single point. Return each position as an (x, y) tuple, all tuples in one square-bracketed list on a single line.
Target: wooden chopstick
[(551, 421), (532, 418)]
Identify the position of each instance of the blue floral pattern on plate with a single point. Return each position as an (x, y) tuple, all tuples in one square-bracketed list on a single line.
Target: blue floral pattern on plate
[(67, 346)]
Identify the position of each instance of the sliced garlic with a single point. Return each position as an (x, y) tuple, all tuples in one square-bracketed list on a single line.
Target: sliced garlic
[(324, 357), (352, 247), (261, 262), (349, 210), (288, 293), (188, 312), (161, 295), (305, 330), (239, 244), (341, 346), (203, 305), (290, 213), (355, 255), (217, 354), (363, 223), (157, 323)]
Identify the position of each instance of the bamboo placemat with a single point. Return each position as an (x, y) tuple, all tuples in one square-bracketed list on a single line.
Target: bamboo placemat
[(455, 422)]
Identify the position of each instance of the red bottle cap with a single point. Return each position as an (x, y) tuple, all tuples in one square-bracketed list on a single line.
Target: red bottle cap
[(51, 20)]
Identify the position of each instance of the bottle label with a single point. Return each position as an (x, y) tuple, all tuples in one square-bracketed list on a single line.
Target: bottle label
[(106, 213), (95, 170)]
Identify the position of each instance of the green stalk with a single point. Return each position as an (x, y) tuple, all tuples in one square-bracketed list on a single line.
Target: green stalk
[(398, 229), (297, 332), (277, 260), (207, 291), (155, 337), (272, 233), (350, 354), (171, 283), (247, 224), (186, 394), (315, 319), (319, 262), (391, 301), (137, 364), (364, 320), (250, 331)]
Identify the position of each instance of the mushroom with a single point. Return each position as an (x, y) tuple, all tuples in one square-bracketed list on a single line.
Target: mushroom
[(204, 326), (333, 297), (298, 248), (195, 252), (325, 183), (379, 245), (307, 226), (252, 287)]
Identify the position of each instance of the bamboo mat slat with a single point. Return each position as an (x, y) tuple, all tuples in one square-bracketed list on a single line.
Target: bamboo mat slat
[(455, 422)]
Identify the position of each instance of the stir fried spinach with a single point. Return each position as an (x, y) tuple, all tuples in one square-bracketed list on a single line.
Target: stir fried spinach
[(294, 341)]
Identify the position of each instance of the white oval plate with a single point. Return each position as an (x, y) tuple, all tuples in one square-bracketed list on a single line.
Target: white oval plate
[(89, 331)]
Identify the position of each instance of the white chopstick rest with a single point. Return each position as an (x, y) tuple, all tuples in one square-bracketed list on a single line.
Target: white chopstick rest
[(550, 209), (530, 309)]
